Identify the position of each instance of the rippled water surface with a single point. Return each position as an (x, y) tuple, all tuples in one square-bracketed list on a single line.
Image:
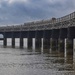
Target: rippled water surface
[(34, 62)]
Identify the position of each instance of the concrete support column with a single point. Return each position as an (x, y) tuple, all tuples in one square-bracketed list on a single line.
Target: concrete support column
[(69, 46), (54, 44), (29, 44), (61, 45), (54, 40), (5, 42), (21, 39), (46, 39), (38, 43), (38, 40), (21, 42), (46, 43), (13, 42), (69, 41)]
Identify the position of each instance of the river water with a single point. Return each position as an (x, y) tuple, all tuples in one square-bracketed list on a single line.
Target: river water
[(15, 61)]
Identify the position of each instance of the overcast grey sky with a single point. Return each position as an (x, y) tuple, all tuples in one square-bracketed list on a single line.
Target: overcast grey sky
[(21, 11)]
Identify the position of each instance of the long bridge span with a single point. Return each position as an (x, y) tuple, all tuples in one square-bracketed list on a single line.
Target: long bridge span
[(53, 32)]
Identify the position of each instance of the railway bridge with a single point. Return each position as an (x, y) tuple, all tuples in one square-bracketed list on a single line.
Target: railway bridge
[(53, 31)]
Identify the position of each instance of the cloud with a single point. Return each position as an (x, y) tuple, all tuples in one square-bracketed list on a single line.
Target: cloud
[(13, 1), (21, 11)]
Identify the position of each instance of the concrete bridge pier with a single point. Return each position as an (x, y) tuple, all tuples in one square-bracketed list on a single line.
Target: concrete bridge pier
[(38, 40), (5, 42), (46, 39), (69, 41), (21, 39), (13, 42), (54, 39), (69, 46), (54, 44), (29, 44), (61, 45), (30, 36), (38, 43), (46, 43), (21, 42)]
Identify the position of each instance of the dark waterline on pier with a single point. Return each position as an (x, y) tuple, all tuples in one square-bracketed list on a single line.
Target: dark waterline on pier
[(15, 61)]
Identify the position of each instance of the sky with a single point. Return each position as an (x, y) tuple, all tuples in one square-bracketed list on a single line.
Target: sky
[(21, 11)]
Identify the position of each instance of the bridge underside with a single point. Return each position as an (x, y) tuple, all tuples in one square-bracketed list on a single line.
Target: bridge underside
[(53, 39)]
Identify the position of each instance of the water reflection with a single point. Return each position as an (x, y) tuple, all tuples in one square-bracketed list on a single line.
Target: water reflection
[(38, 50), (35, 62), (46, 51), (58, 60)]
